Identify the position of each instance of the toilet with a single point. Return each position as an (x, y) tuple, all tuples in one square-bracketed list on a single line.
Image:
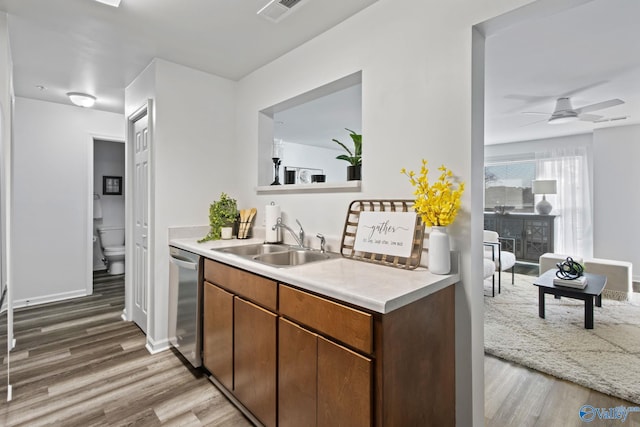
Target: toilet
[(112, 243)]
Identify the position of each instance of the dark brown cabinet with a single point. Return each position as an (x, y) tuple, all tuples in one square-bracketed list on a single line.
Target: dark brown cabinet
[(240, 336), (297, 375), (533, 234), (321, 383), (217, 339), (344, 386), (289, 357), (255, 360)]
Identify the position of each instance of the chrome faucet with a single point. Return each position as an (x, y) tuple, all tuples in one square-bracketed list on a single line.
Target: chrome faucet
[(322, 242), (299, 238)]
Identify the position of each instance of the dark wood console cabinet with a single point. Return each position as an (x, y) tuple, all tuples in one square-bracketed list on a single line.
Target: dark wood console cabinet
[(533, 233)]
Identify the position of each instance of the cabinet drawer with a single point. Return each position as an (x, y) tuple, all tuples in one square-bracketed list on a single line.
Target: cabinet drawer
[(348, 325), (255, 288)]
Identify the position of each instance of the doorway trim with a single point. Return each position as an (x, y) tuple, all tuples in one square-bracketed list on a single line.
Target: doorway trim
[(144, 109), (89, 224), (479, 34)]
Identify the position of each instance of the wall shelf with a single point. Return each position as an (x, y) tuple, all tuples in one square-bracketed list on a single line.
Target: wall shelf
[(318, 187)]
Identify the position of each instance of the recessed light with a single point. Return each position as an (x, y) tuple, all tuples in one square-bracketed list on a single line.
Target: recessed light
[(82, 99), (114, 3)]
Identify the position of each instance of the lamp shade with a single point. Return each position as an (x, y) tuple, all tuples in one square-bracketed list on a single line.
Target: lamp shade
[(544, 186)]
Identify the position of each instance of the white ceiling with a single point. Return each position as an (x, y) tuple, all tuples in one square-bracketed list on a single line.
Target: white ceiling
[(590, 52), (86, 46)]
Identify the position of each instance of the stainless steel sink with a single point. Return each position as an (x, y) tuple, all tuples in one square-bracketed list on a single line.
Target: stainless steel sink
[(278, 255), (293, 257), (254, 249)]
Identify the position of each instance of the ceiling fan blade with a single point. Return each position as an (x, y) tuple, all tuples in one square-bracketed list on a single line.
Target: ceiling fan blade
[(536, 112), (533, 123), (599, 106), (589, 117), (527, 98), (582, 89)]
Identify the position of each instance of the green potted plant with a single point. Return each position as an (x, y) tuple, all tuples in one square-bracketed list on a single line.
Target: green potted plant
[(354, 171), (222, 213)]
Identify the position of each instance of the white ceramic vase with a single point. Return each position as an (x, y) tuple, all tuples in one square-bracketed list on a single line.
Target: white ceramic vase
[(439, 248)]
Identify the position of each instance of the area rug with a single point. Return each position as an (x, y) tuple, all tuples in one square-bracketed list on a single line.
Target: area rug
[(606, 358)]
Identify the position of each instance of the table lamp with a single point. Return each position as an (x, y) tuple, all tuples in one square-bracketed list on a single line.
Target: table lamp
[(544, 187)]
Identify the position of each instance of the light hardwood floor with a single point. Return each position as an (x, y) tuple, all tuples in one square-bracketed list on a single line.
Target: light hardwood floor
[(518, 396), (78, 364)]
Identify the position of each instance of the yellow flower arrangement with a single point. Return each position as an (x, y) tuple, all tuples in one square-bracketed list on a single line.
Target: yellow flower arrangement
[(437, 204)]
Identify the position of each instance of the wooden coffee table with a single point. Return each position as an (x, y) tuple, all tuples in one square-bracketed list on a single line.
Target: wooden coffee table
[(595, 285)]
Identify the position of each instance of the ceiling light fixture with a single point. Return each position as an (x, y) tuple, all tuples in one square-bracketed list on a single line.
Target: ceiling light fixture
[(563, 119), (82, 99), (114, 3)]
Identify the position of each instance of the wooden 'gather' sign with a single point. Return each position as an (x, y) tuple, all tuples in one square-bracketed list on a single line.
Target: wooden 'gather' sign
[(388, 233)]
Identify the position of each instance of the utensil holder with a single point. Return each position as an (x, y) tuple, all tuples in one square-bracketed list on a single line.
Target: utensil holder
[(243, 230)]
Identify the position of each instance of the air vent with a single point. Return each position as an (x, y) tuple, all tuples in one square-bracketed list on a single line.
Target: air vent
[(289, 3), (275, 10)]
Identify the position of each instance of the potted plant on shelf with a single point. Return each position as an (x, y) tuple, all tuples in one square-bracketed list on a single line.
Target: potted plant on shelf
[(354, 171), (222, 214)]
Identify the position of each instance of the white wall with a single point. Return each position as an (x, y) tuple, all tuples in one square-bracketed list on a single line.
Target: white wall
[(6, 310), (195, 159), (51, 189), (108, 160), (527, 149), (416, 70), (6, 95), (616, 197)]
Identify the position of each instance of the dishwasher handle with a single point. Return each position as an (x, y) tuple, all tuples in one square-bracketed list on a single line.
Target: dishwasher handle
[(183, 263)]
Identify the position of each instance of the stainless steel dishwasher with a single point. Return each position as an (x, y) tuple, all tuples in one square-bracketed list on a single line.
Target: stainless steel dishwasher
[(185, 302)]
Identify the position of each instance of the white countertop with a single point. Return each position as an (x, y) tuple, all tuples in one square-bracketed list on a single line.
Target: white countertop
[(375, 287)]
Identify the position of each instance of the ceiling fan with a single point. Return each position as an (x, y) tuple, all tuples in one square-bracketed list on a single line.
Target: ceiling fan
[(565, 113)]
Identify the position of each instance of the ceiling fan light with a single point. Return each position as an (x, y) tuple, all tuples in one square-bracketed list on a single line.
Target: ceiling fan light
[(82, 99), (562, 119)]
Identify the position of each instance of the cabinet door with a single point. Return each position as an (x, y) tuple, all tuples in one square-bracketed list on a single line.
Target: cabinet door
[(539, 238), (344, 387), (217, 334), (513, 228), (297, 375), (255, 343)]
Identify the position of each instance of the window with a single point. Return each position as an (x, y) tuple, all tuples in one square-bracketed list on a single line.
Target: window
[(507, 186)]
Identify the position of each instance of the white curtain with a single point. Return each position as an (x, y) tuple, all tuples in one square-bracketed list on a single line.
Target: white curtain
[(572, 203)]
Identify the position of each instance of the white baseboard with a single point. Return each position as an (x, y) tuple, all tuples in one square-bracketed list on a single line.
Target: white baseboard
[(154, 347), (29, 302)]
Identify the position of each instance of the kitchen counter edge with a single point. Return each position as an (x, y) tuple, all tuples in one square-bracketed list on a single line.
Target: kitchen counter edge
[(374, 287)]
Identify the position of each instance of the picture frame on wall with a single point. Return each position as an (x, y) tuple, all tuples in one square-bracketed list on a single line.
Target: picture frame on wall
[(112, 185)]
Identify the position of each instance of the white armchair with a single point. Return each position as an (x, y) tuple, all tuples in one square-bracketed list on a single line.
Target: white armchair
[(504, 260), (489, 272)]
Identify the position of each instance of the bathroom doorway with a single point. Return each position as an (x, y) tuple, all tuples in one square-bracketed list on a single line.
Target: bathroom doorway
[(108, 209)]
